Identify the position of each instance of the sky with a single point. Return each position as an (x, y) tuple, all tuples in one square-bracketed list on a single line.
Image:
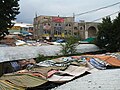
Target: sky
[(66, 8)]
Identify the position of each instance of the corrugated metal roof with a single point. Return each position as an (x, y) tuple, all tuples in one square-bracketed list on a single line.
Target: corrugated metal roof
[(27, 52), (24, 80), (5, 85)]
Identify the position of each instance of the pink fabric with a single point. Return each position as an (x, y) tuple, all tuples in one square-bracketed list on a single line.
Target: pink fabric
[(50, 73)]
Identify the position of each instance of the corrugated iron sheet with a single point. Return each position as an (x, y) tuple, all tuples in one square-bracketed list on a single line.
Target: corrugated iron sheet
[(75, 70), (5, 85), (24, 80)]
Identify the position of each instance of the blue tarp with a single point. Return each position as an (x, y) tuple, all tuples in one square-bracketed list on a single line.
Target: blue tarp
[(26, 33)]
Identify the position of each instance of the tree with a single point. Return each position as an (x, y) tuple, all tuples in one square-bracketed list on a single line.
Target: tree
[(8, 11), (116, 27), (109, 34), (70, 46)]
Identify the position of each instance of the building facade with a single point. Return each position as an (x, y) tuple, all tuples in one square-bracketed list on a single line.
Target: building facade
[(22, 29), (56, 27)]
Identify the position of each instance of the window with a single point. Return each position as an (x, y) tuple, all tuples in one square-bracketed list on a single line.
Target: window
[(81, 28), (65, 32), (56, 24), (48, 24), (66, 24), (69, 32), (75, 33), (59, 24), (75, 28)]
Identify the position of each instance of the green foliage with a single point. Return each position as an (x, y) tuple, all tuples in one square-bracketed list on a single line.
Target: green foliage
[(109, 34), (40, 58), (8, 11), (43, 58), (116, 31), (104, 32), (70, 46)]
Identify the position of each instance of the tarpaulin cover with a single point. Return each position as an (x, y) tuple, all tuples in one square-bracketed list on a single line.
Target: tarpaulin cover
[(22, 80), (44, 70), (60, 79), (97, 64), (109, 59), (5, 85), (75, 70)]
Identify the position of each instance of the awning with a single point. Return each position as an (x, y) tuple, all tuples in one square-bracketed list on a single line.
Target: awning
[(89, 39), (26, 33)]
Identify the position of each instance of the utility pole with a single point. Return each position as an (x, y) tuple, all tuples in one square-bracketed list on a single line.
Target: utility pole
[(74, 17), (73, 24), (86, 31)]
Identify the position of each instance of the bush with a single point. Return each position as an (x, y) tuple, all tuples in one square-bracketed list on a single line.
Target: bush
[(40, 58), (70, 46)]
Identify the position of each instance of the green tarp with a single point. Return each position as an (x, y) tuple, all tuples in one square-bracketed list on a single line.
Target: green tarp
[(89, 39)]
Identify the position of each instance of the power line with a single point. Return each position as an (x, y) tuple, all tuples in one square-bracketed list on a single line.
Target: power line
[(97, 9), (106, 16)]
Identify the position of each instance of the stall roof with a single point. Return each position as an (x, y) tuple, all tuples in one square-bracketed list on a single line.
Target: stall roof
[(27, 52)]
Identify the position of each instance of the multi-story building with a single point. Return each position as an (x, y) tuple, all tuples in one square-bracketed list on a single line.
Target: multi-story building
[(55, 27)]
